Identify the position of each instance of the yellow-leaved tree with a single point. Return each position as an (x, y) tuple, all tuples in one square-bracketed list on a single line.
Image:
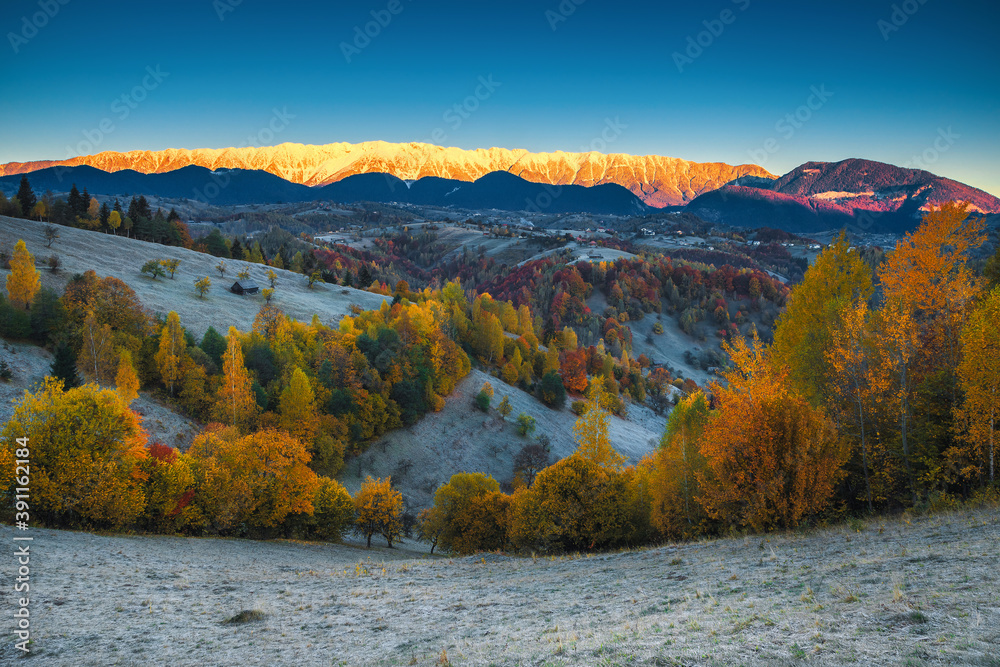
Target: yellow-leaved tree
[(802, 336), (468, 515), (979, 375), (85, 449), (255, 480), (24, 280), (297, 406), (378, 510), (674, 483), (172, 346), (856, 383), (235, 403), (97, 356), (591, 431)]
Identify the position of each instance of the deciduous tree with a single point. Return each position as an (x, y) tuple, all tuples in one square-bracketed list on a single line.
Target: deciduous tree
[(202, 286), (172, 346), (235, 404), (24, 280), (591, 432), (85, 446), (979, 375), (378, 510), (676, 511), (297, 406), (802, 337), (126, 381)]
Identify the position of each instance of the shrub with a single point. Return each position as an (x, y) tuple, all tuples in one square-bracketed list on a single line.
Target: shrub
[(551, 390), (483, 401), (578, 407), (153, 268), (525, 424), (576, 505)]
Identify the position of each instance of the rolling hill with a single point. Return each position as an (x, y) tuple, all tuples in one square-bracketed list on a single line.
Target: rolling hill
[(499, 190)]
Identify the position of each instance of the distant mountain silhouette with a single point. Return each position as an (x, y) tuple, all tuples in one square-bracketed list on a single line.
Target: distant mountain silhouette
[(499, 190)]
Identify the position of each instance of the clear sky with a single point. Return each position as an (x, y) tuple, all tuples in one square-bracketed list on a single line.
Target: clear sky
[(705, 81)]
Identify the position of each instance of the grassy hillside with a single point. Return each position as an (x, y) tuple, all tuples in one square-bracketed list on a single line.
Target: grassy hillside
[(461, 438), (913, 591), (81, 250)]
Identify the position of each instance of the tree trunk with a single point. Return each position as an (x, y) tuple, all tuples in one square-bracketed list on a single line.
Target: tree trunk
[(904, 413), (864, 457), (992, 420)]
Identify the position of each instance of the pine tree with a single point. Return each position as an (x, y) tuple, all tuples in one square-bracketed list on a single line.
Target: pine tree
[(364, 276), (26, 197), (24, 280), (64, 366)]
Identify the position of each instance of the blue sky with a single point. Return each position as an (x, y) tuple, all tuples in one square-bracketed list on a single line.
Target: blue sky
[(706, 81)]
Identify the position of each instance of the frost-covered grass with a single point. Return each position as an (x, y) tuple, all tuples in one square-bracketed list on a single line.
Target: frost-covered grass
[(910, 591)]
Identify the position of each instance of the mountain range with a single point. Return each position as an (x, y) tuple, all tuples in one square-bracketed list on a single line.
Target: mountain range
[(855, 193), (858, 194), (658, 181)]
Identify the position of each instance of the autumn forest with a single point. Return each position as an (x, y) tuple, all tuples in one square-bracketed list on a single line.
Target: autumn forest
[(871, 386)]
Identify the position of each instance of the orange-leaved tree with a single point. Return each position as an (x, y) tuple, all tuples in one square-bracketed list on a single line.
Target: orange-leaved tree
[(772, 459), (126, 381)]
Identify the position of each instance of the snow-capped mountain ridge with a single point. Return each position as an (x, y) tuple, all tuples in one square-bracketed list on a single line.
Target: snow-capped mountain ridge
[(657, 180)]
